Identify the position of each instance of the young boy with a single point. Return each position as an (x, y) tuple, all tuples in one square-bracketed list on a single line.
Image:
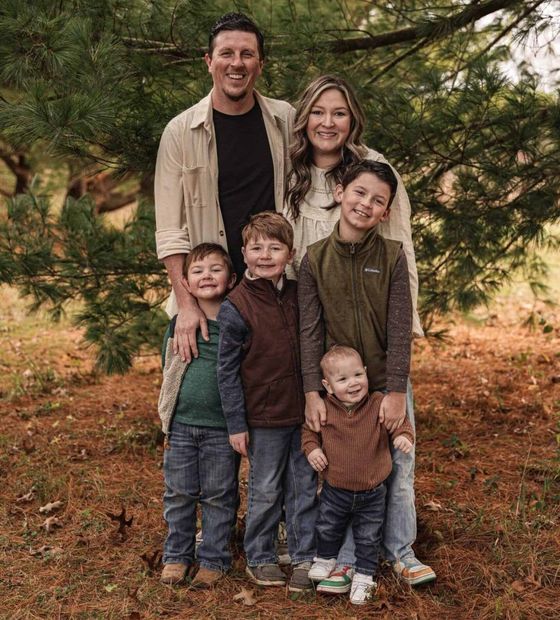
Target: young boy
[(354, 289), (199, 464), (259, 377), (353, 453)]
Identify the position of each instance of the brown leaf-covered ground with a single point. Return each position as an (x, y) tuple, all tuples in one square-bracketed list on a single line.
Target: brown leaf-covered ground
[(488, 484)]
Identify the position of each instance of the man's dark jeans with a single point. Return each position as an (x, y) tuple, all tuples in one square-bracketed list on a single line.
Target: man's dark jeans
[(366, 510)]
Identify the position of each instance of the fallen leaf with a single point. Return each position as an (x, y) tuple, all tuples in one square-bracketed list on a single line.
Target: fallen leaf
[(45, 550), (28, 445), (152, 561), (50, 524), (28, 497), (123, 521), (110, 587), (247, 597), (50, 507), (433, 506)]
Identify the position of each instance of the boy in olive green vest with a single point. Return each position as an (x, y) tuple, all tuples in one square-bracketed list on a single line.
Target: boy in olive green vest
[(354, 290)]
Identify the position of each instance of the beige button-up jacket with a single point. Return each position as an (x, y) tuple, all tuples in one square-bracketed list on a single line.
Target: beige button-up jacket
[(186, 179)]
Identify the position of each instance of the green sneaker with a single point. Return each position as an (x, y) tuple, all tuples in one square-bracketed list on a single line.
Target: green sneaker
[(338, 582)]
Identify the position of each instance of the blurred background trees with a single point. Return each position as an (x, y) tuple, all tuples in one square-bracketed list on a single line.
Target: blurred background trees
[(86, 88)]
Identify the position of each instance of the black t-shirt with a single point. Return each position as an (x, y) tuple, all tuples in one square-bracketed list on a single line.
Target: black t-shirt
[(245, 174)]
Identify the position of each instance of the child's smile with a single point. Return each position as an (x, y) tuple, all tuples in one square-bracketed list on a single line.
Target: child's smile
[(364, 203)]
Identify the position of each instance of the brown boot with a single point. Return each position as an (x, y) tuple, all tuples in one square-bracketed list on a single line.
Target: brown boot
[(206, 578), (174, 573)]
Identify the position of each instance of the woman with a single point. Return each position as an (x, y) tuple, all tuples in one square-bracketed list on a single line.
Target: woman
[(328, 131)]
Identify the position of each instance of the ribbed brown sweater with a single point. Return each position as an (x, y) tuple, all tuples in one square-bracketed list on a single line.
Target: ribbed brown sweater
[(355, 443)]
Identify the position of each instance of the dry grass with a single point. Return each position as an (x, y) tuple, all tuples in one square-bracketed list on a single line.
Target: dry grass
[(488, 485)]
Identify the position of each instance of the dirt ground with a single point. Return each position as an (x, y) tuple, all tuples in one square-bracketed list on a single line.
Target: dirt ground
[(487, 488)]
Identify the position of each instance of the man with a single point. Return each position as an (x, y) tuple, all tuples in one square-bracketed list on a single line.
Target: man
[(219, 162)]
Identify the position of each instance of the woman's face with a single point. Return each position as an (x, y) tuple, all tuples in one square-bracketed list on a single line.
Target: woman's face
[(328, 127)]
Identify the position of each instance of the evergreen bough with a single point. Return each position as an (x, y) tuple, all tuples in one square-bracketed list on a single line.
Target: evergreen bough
[(91, 85)]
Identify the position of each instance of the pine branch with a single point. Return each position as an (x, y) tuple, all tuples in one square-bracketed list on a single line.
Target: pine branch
[(422, 43), (430, 30), (501, 35)]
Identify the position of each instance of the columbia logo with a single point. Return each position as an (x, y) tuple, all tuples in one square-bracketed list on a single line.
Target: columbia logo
[(372, 270)]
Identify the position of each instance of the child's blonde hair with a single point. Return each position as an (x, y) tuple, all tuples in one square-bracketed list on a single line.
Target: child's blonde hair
[(270, 225), (337, 352)]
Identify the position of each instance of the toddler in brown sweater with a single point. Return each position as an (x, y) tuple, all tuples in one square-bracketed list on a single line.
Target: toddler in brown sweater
[(352, 450)]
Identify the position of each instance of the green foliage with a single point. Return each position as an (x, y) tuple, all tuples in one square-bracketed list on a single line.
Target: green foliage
[(75, 255), (96, 81)]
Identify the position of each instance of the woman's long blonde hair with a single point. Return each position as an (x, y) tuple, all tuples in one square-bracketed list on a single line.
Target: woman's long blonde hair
[(298, 181)]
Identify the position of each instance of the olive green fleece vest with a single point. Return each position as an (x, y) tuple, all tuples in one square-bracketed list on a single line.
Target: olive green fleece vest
[(353, 281)]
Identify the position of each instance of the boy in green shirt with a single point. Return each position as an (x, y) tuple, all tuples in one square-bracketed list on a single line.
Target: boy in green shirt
[(199, 464)]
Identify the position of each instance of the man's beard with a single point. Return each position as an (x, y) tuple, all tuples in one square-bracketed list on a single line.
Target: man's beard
[(236, 97)]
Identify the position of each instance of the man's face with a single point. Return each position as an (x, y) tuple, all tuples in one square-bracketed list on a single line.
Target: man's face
[(235, 65)]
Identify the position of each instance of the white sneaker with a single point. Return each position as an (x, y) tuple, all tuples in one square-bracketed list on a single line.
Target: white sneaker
[(321, 569), (363, 588)]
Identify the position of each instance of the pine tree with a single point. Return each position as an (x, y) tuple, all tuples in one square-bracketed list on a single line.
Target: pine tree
[(91, 85)]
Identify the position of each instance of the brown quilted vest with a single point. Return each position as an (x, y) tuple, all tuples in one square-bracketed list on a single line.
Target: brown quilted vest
[(270, 368)]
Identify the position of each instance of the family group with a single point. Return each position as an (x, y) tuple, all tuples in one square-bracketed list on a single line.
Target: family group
[(288, 245)]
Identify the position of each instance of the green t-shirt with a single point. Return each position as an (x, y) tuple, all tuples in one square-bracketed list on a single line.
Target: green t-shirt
[(199, 401)]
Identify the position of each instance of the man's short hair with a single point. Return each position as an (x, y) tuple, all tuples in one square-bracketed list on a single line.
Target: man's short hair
[(235, 21), (202, 250), (335, 353), (270, 225), (382, 171)]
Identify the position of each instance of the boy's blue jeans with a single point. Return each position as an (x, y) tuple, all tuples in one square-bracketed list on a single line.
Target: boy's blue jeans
[(363, 511), (279, 473), (399, 532), (199, 466)]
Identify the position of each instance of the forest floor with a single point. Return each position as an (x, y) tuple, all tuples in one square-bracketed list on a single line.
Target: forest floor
[(487, 481)]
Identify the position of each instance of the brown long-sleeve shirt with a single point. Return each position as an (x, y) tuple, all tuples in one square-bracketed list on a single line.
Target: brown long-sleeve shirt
[(355, 443)]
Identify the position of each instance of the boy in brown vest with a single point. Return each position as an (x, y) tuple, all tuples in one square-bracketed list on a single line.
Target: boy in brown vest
[(259, 378), (354, 290), (352, 450)]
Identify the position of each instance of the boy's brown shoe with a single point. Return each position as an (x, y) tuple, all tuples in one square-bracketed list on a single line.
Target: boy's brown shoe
[(174, 573), (206, 578)]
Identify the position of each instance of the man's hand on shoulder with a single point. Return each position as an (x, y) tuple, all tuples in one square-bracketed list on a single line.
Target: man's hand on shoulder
[(393, 410), (315, 411), (189, 320)]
